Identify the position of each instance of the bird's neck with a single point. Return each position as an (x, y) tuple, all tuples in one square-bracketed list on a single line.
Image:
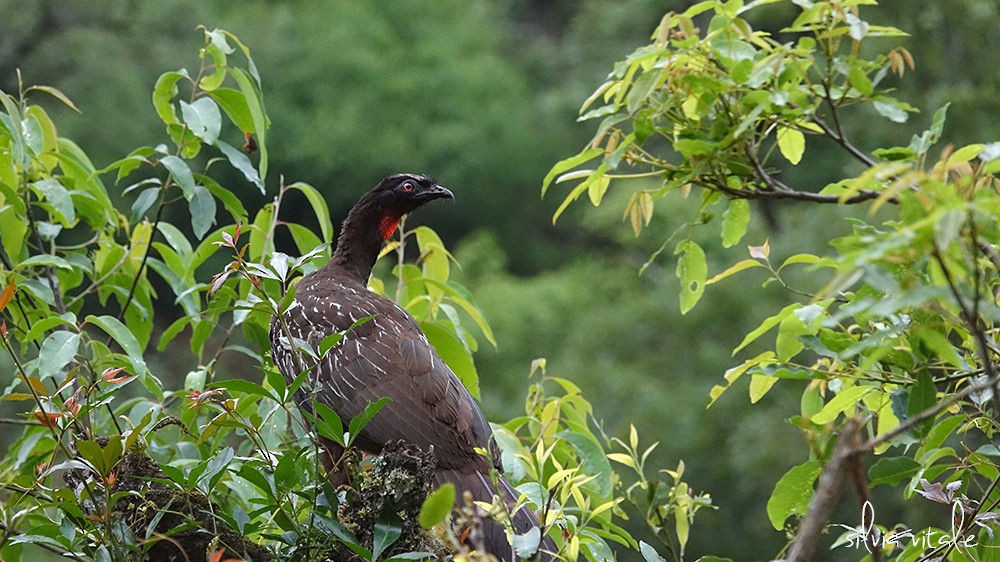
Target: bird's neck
[(362, 236)]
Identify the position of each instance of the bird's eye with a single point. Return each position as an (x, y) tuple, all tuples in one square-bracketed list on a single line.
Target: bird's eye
[(408, 187)]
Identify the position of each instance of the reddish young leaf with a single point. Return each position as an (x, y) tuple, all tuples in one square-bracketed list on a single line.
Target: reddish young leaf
[(6, 295)]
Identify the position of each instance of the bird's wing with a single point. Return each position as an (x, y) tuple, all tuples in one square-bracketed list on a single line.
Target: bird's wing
[(387, 356)]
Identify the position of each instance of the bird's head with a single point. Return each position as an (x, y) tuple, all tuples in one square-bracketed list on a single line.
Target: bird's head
[(400, 194)]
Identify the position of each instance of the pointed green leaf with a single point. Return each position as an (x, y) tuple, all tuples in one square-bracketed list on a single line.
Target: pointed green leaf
[(569, 164), (118, 332), (202, 208), (181, 173), (319, 206), (388, 529), (792, 493), (437, 506), (844, 399), (241, 162)]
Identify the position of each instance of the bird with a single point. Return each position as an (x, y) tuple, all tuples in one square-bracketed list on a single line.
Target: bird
[(384, 353)]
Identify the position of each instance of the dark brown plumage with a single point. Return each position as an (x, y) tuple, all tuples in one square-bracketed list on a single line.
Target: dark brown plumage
[(389, 356)]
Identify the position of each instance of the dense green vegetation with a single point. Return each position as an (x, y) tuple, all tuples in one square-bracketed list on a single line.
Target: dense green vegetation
[(485, 97)]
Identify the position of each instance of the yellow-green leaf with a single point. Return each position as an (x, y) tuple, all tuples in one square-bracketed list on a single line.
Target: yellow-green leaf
[(692, 270), (841, 402), (437, 506), (734, 269), (792, 144), (759, 386), (735, 221)]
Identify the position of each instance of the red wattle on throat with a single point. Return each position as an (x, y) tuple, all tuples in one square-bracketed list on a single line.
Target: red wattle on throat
[(387, 225)]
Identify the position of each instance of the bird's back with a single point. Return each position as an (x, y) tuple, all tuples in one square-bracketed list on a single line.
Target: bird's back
[(385, 355)]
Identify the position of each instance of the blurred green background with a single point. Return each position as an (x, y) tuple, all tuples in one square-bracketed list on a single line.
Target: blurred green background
[(484, 96)]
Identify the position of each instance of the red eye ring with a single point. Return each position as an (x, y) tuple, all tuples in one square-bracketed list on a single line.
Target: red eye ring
[(408, 187)]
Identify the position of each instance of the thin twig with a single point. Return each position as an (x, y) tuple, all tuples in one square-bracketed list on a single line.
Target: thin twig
[(795, 195), (838, 135), (927, 414)]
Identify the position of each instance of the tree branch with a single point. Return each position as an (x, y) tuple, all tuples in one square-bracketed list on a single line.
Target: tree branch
[(845, 455)]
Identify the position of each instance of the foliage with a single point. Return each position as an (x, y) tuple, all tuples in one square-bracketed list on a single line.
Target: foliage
[(895, 328), (224, 459)]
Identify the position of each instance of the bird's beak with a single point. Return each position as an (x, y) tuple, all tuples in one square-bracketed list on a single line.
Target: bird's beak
[(438, 192)]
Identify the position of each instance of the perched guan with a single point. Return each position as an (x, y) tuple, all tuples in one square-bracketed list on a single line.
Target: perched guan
[(389, 356)]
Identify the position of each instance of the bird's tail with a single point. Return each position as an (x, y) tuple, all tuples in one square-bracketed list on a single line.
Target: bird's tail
[(493, 533)]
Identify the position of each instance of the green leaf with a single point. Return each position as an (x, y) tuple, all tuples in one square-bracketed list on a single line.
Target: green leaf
[(331, 341), (437, 506), (964, 154), (735, 221), (328, 423), (859, 80), (235, 105), (144, 201), (643, 87), (181, 173), (923, 395), (759, 386), (56, 94), (569, 164), (649, 553), (241, 162), (939, 433), (91, 452), (451, 350), (256, 109), (229, 199), (13, 231), (202, 208), (97, 208), (892, 470), (734, 269), (163, 95), (766, 325), (788, 344), (388, 528), (215, 467), (939, 345), (245, 387), (359, 421), (891, 110), (118, 332), (203, 118), (692, 271), (45, 260), (58, 350), (574, 194), (526, 544), (792, 144), (792, 493), (59, 198), (593, 460), (841, 402), (937, 123), (319, 206), (733, 374)]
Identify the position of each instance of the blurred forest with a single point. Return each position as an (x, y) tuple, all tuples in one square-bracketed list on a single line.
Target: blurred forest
[(484, 97)]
